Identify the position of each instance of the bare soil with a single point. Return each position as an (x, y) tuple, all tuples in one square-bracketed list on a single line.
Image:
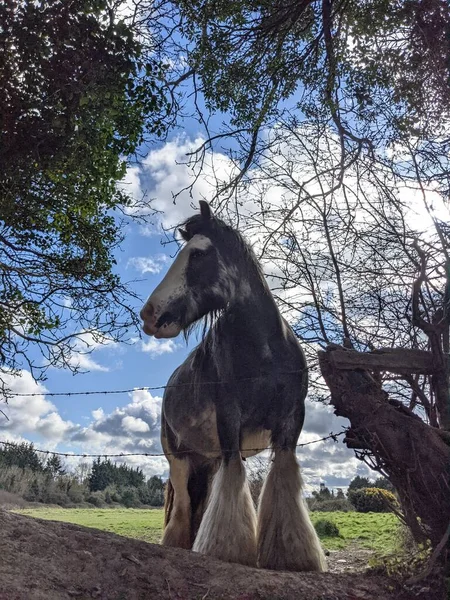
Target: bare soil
[(46, 560), (352, 559)]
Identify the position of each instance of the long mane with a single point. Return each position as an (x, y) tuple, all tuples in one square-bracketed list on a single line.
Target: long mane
[(214, 327)]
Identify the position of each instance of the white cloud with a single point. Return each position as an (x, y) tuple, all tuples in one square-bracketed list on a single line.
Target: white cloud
[(88, 342), (157, 347), (133, 428), (131, 184), (134, 425), (98, 414), (149, 264), (166, 171), (31, 414)]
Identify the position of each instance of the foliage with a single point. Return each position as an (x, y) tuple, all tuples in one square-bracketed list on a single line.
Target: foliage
[(372, 500), (152, 493), (332, 505), (383, 484), (326, 528), (54, 465), (21, 455), (349, 53), (80, 93), (130, 497), (257, 469), (408, 559), (323, 494), (105, 473), (24, 473), (357, 483)]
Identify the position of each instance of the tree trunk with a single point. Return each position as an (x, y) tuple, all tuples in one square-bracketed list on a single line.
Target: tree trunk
[(413, 455)]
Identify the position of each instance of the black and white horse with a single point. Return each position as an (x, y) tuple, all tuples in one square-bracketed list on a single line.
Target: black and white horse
[(241, 390)]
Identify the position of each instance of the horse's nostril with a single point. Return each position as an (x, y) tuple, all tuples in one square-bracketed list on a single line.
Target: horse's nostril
[(147, 312)]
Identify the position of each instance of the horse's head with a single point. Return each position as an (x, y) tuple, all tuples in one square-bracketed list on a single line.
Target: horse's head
[(202, 279)]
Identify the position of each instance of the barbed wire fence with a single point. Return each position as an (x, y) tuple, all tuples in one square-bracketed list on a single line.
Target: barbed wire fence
[(148, 388), (331, 436), (5, 443)]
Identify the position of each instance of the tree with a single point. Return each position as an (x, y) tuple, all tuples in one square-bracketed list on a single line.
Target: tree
[(383, 484), (153, 491), (22, 455), (339, 138), (358, 483), (54, 466), (106, 473), (372, 499), (80, 93), (323, 494), (340, 494)]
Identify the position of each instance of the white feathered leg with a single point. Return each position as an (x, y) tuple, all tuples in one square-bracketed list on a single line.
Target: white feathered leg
[(286, 537), (228, 527)]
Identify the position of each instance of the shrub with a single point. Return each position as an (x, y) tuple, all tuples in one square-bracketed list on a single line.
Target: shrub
[(333, 505), (326, 528), (130, 497), (96, 498), (372, 500), (76, 492)]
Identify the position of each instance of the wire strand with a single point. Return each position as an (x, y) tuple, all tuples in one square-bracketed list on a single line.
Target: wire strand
[(145, 388), (331, 436)]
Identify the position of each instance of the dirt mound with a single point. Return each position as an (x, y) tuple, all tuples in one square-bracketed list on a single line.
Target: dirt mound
[(46, 560)]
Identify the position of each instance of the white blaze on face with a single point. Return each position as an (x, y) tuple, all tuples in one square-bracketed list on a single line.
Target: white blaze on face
[(172, 287)]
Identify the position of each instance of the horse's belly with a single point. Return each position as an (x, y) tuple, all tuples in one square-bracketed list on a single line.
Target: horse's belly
[(254, 442), (199, 434)]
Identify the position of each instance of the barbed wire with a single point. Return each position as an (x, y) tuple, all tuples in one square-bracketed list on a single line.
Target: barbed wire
[(146, 387), (331, 436)]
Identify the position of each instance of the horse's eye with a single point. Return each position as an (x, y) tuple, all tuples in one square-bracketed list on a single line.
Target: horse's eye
[(196, 253)]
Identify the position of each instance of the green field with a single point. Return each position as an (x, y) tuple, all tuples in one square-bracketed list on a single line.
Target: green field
[(130, 522), (377, 531)]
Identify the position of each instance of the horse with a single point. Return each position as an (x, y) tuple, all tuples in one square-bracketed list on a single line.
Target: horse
[(240, 391)]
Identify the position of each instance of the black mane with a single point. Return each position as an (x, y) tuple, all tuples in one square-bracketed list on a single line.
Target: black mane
[(230, 243)]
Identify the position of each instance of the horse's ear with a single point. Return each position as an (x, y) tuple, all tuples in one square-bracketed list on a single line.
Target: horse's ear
[(184, 234), (205, 210)]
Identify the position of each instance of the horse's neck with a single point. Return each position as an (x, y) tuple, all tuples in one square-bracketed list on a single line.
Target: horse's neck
[(253, 319)]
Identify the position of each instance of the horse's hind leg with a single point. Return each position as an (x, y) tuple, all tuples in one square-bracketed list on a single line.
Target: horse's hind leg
[(228, 527), (287, 539), (177, 530)]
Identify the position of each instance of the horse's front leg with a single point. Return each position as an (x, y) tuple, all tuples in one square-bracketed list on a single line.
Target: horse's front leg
[(228, 527), (287, 539)]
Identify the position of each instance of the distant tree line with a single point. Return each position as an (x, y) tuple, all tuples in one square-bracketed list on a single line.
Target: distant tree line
[(363, 495), (44, 478)]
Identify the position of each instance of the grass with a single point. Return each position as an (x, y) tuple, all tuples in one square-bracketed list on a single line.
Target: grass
[(144, 525), (376, 531)]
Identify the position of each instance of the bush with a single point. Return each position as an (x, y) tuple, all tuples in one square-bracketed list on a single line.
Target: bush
[(333, 505), (112, 495), (76, 492), (97, 499), (326, 528), (372, 500), (130, 497)]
